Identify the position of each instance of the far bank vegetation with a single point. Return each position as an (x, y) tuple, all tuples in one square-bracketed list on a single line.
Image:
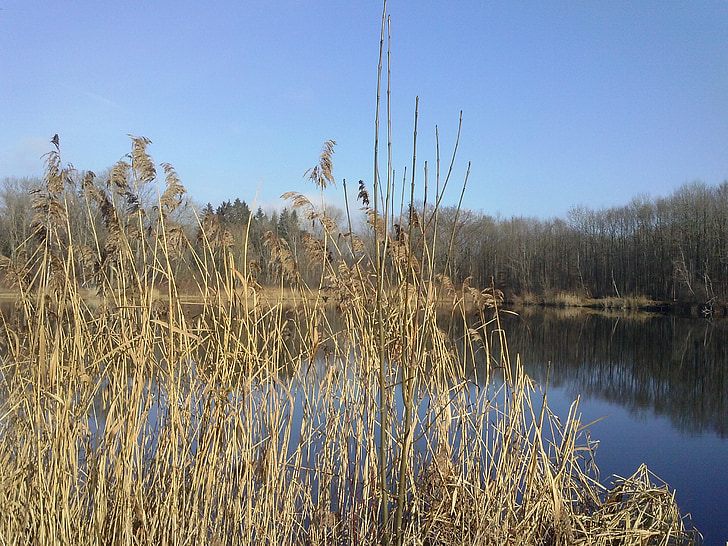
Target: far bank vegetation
[(669, 252)]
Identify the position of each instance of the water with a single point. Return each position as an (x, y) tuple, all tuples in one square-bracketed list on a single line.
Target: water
[(661, 381)]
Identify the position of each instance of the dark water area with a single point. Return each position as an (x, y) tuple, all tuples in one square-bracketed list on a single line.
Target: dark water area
[(661, 382)]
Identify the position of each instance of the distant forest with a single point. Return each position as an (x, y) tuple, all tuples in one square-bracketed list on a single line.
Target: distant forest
[(668, 249), (672, 248)]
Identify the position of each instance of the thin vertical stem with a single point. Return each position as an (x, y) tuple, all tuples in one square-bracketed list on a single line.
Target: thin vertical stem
[(379, 257), (409, 356)]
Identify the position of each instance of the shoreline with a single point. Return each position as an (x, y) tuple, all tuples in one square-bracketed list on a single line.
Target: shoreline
[(642, 304)]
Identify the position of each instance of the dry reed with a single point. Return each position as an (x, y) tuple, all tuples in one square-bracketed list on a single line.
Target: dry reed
[(137, 418)]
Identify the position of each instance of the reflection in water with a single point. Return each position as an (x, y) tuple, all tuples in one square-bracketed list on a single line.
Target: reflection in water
[(307, 422), (671, 366)]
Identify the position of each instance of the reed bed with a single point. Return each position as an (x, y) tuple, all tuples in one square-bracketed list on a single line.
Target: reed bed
[(136, 417), (378, 404)]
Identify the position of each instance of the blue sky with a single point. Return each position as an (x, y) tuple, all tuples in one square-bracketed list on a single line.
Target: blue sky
[(564, 103)]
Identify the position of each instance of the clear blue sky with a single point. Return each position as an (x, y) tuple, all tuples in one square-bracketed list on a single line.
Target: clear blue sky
[(564, 103)]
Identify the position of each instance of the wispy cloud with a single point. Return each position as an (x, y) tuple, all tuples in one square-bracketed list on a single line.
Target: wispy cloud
[(100, 99)]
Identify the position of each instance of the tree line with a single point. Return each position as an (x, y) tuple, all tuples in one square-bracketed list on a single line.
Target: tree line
[(88, 212), (673, 248), (668, 249)]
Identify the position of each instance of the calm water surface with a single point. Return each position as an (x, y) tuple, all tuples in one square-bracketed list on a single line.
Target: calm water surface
[(662, 382)]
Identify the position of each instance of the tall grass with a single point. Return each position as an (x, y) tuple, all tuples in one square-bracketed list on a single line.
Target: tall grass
[(133, 417), (152, 415)]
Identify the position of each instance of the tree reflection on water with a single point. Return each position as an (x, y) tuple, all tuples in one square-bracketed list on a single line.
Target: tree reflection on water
[(670, 366)]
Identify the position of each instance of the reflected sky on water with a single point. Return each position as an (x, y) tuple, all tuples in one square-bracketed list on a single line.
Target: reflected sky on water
[(661, 381)]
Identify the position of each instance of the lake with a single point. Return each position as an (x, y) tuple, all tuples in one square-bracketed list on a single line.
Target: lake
[(661, 382)]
